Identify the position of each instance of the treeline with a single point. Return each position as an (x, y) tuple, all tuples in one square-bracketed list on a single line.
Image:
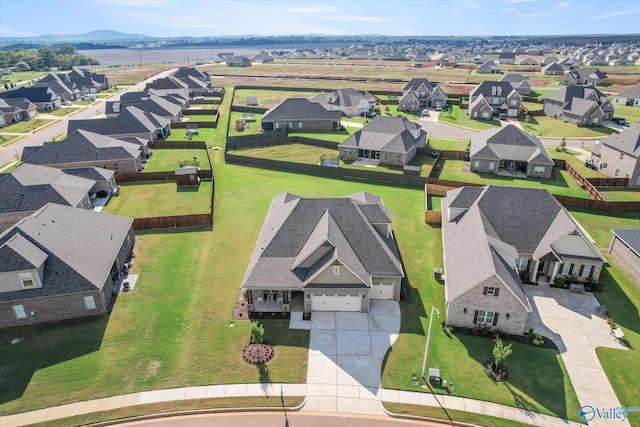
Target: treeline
[(43, 59)]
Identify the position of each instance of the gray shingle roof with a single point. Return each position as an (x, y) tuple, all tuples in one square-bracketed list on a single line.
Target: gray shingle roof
[(630, 237), (18, 253), (509, 143), (300, 109), (628, 141), (75, 263), (130, 120), (32, 93), (633, 92), (297, 227), (390, 134), (342, 97)]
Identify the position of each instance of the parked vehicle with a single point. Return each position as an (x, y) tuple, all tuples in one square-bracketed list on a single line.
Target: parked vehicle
[(425, 113), (369, 114), (620, 120), (503, 116), (438, 107), (88, 97)]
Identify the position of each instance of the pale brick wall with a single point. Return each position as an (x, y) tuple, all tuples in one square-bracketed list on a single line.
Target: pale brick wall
[(502, 304), (626, 259)]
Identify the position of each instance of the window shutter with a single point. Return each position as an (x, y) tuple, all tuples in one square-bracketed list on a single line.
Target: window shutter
[(571, 269), (495, 319), (593, 267), (496, 292), (484, 291), (582, 267), (475, 317)]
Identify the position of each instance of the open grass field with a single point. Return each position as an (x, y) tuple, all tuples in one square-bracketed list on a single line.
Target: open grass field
[(461, 118), (631, 114), (204, 134), (63, 111), (167, 159), (336, 136), (296, 153), (268, 98), (149, 199), (21, 76), (448, 144), (545, 127), (28, 126), (562, 183)]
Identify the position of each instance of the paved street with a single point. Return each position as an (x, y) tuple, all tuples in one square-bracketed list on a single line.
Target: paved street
[(8, 153)]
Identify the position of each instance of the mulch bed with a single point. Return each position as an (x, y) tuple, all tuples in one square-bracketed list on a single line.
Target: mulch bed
[(240, 311), (499, 374), (257, 354)]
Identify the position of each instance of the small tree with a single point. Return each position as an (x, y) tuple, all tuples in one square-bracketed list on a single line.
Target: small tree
[(500, 352), (257, 333)]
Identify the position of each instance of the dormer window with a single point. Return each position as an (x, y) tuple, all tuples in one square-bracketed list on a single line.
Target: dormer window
[(499, 90), (27, 280), (336, 270), (494, 90)]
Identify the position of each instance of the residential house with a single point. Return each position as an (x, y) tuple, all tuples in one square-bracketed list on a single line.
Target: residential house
[(584, 77), (104, 179), (15, 110), (617, 155), (419, 94), (60, 84), (262, 58), (582, 105), (163, 106), (131, 122), (520, 83), (82, 148), (30, 187), (391, 140), (239, 61), (529, 61), (568, 64), (197, 81), (300, 114), (325, 254), (349, 101), (88, 82), (489, 67), (625, 249), (490, 98), (512, 149), (629, 97), (552, 69), (494, 238), (169, 86), (184, 72), (61, 263), (549, 60), (507, 58), (42, 97)]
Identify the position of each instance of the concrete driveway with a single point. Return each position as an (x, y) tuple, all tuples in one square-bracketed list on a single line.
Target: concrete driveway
[(345, 358), (569, 319)]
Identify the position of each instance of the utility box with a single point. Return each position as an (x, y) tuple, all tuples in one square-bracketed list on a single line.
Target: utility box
[(437, 273)]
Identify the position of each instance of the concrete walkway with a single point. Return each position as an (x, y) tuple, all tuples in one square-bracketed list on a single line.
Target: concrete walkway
[(346, 351), (569, 319)]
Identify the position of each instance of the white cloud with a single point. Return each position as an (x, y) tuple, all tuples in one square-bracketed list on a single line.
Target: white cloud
[(563, 4), (618, 13), (508, 9), (533, 15)]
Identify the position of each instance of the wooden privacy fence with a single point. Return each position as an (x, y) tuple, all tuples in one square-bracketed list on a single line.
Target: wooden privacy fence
[(207, 124), (156, 176), (584, 183), (201, 112), (609, 182), (177, 144), (274, 138), (175, 221)]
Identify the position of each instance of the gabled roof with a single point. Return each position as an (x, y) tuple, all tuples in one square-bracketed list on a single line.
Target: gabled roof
[(300, 109), (74, 262), (19, 254), (628, 141), (633, 92), (340, 228), (169, 82), (509, 143), (32, 93), (94, 173), (416, 83), (390, 134), (486, 88), (343, 97), (11, 104), (130, 120), (630, 237), (30, 187), (567, 94)]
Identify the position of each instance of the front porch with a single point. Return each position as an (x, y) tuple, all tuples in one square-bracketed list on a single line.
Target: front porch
[(270, 301)]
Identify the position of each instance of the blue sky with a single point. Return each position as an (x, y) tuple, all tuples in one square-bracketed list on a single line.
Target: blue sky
[(171, 18)]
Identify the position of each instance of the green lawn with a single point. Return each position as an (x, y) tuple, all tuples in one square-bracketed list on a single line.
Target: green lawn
[(546, 127), (619, 194), (392, 110), (296, 153), (631, 114), (5, 139), (140, 200), (461, 118), (28, 126), (448, 414), (251, 127), (204, 134), (201, 117), (562, 183), (81, 102), (576, 163), (21, 76), (63, 111), (329, 135), (448, 144), (167, 159), (268, 98), (532, 106), (541, 93)]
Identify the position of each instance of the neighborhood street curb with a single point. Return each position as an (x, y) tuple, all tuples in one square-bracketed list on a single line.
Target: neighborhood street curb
[(419, 418)]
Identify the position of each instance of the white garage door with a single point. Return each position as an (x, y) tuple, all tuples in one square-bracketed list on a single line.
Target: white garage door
[(333, 303), (381, 292)]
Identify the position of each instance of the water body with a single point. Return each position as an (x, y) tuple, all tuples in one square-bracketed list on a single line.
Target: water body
[(112, 57)]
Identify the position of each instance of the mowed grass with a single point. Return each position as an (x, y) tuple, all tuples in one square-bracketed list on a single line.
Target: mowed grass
[(618, 194), (5, 139), (63, 111), (543, 126), (460, 117), (296, 153), (151, 199), (561, 184), (448, 144), (330, 135), (449, 414), (252, 127), (27, 126), (631, 114), (268, 98), (204, 134), (570, 157), (622, 298), (166, 159)]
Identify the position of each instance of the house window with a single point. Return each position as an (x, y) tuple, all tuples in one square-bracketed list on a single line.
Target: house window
[(521, 263), (604, 166), (617, 172), (299, 125), (89, 302), (485, 317), (399, 157), (585, 270), (491, 290), (494, 90), (19, 312), (276, 125), (290, 125), (116, 167), (621, 156), (476, 164), (386, 156), (27, 280), (514, 102), (485, 115), (566, 268), (347, 153), (539, 170), (475, 114), (336, 270), (492, 165), (499, 90)]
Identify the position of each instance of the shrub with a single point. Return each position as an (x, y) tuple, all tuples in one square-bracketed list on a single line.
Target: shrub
[(257, 333), (530, 332), (536, 342), (538, 336)]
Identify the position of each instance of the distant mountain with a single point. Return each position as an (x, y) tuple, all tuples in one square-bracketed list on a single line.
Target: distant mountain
[(93, 36)]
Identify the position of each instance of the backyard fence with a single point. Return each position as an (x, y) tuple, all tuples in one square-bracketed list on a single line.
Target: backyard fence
[(584, 183), (609, 182), (269, 139), (201, 112), (156, 176), (175, 221), (177, 144)]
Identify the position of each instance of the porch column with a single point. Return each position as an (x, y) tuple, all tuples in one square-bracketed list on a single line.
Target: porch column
[(534, 271), (556, 266)]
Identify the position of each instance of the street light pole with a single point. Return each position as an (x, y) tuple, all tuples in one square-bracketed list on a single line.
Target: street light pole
[(426, 348), (286, 420)]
